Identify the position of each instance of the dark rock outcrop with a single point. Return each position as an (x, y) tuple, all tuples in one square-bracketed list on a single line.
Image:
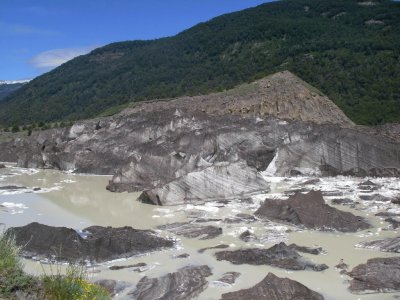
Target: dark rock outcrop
[(374, 197), (387, 214), (12, 188), (376, 275), (275, 288), (229, 277), (98, 244), (342, 201), (138, 265), (247, 236), (342, 266), (222, 181), (385, 245), (395, 223), (368, 186), (191, 230), (280, 256), (167, 152), (183, 255), (186, 283), (310, 211), (222, 246), (2, 166), (309, 250), (396, 200), (241, 218)]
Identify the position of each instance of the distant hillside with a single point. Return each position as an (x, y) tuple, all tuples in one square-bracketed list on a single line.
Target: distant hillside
[(7, 87), (348, 49)]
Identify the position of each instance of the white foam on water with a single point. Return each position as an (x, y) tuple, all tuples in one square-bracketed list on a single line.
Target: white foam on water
[(14, 208), (14, 205)]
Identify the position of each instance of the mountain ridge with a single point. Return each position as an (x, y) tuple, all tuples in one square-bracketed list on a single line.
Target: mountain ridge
[(282, 95)]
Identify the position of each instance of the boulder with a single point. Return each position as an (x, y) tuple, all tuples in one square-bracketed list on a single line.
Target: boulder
[(95, 244), (275, 288), (280, 256), (12, 188), (310, 211), (385, 245), (387, 214), (309, 250), (229, 277), (186, 283), (343, 201), (222, 246), (220, 182), (395, 223), (138, 265), (191, 230), (368, 185), (376, 275), (374, 197)]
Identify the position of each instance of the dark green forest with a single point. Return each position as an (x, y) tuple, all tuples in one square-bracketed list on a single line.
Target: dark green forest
[(345, 48), (6, 89)]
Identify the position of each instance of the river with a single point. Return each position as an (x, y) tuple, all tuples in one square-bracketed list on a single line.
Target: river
[(79, 201)]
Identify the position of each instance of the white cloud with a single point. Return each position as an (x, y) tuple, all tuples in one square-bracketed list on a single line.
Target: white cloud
[(20, 29), (56, 57)]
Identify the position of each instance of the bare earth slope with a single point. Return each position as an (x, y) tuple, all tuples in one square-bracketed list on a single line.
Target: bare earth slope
[(282, 95)]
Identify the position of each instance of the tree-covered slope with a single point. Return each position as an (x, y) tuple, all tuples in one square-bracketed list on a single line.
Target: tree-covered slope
[(350, 50), (7, 88)]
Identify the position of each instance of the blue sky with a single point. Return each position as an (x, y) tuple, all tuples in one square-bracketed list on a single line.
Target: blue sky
[(37, 35)]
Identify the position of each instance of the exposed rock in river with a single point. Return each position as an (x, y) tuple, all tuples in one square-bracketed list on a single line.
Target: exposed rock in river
[(280, 256), (2, 166), (221, 246), (395, 223), (377, 275), (138, 265), (386, 245), (275, 288), (186, 283), (190, 230), (12, 187), (387, 214), (309, 250), (95, 244), (229, 277), (178, 155), (309, 210), (222, 181)]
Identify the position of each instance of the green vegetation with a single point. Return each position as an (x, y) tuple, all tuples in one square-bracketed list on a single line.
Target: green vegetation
[(350, 52), (6, 89), (12, 276), (73, 285)]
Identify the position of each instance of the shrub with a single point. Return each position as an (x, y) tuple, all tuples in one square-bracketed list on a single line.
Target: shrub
[(72, 285), (12, 276)]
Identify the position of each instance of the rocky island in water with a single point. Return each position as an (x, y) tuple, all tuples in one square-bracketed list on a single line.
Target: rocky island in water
[(266, 191)]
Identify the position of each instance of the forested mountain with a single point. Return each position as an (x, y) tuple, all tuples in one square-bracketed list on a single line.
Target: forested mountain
[(7, 87), (348, 49)]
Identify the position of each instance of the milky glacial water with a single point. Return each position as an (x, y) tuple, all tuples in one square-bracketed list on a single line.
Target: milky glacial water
[(79, 201)]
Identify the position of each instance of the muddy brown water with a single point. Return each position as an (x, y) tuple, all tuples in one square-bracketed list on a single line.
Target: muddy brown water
[(79, 201)]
